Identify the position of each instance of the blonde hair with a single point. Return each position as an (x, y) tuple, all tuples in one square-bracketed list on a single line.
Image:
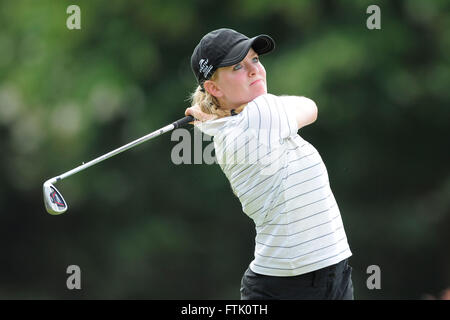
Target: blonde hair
[(208, 103)]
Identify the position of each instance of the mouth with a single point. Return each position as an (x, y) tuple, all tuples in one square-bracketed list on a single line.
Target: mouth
[(256, 81)]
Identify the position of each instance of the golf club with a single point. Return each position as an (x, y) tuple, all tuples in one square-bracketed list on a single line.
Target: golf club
[(54, 201)]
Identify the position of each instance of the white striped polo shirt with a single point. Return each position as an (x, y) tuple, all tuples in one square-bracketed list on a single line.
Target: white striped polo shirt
[(282, 184)]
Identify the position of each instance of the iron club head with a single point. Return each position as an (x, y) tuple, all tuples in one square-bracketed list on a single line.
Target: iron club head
[(53, 200)]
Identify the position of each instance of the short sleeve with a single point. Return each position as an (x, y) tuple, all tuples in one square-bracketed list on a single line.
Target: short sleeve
[(271, 118)]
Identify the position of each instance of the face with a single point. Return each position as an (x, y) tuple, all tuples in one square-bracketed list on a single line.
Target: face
[(240, 83)]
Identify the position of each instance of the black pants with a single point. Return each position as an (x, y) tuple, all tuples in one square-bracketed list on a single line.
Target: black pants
[(330, 283)]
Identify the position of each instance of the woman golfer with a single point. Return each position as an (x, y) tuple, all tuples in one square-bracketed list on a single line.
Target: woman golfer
[(301, 249)]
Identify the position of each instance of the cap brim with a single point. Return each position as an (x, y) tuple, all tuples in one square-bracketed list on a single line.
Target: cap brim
[(261, 44)]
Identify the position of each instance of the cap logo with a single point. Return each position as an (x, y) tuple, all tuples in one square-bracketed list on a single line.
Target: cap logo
[(204, 67)]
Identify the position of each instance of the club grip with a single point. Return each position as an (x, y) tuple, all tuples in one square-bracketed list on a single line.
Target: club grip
[(183, 121)]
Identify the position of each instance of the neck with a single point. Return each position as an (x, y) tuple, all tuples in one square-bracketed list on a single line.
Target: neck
[(239, 109)]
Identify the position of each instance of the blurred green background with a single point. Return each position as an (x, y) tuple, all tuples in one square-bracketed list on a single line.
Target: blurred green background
[(141, 227)]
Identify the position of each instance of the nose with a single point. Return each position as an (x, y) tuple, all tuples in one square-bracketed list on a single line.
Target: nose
[(252, 69)]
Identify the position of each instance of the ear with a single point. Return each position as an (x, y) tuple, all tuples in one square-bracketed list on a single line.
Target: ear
[(213, 88)]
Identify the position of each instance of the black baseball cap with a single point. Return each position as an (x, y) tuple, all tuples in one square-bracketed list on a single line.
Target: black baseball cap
[(225, 47)]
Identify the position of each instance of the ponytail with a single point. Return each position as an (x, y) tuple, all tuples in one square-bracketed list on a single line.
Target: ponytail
[(208, 103)]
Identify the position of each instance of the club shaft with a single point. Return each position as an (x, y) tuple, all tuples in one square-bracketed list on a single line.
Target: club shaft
[(130, 145), (116, 151)]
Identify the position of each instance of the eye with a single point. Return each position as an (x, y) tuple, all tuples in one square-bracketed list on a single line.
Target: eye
[(237, 67), (255, 59)]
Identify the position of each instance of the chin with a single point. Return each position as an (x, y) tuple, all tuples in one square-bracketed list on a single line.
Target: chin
[(259, 92)]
